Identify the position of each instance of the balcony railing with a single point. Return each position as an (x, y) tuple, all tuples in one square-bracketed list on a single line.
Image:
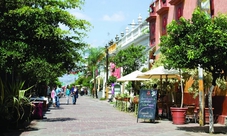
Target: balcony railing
[(133, 34)]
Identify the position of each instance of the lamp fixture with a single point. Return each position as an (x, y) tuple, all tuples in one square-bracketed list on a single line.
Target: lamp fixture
[(151, 61)]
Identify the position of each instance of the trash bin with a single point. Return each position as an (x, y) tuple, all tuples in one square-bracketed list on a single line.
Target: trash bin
[(38, 110)]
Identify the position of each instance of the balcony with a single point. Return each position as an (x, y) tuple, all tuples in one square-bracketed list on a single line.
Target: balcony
[(152, 13), (175, 2), (164, 7)]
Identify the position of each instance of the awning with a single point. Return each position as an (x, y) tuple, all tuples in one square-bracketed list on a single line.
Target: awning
[(149, 48), (131, 77)]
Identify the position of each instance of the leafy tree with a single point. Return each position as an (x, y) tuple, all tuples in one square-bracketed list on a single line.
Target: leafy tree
[(33, 46), (200, 40), (130, 59)]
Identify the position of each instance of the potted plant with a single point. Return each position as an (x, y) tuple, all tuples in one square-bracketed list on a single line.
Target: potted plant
[(179, 113), (126, 97), (135, 99), (118, 96), (13, 105)]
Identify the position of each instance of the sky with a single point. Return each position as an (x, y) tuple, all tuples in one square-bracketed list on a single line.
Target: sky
[(108, 19)]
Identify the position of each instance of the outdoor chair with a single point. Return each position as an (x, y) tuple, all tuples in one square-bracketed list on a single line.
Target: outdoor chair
[(191, 114)]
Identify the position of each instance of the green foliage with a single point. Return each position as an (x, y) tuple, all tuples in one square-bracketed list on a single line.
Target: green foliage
[(130, 58), (33, 44), (221, 83), (95, 54), (112, 79), (102, 99), (13, 101), (200, 40), (193, 73), (128, 86)]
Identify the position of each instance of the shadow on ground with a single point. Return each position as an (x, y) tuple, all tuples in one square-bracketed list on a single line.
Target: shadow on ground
[(205, 129), (18, 132), (56, 119), (32, 128)]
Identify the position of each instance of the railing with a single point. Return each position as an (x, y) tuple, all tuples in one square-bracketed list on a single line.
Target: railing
[(134, 34)]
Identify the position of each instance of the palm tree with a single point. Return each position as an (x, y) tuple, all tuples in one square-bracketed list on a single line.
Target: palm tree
[(94, 56)]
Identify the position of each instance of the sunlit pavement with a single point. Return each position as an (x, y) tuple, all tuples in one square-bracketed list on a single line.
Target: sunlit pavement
[(92, 117)]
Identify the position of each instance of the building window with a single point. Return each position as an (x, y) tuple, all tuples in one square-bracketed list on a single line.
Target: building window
[(179, 11), (164, 24), (152, 33)]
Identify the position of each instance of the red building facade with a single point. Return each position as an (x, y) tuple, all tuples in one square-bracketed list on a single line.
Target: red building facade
[(163, 12)]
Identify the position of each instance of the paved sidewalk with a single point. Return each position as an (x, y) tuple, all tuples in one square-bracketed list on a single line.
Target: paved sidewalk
[(92, 117)]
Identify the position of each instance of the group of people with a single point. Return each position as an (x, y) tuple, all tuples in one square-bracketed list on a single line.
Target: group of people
[(57, 92)]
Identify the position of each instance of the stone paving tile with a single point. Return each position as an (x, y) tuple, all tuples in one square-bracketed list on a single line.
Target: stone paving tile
[(92, 117)]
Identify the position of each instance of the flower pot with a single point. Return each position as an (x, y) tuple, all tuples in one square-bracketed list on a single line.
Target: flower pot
[(135, 100), (178, 115), (126, 99)]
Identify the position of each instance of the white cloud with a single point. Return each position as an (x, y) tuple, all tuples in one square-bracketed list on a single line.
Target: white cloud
[(79, 15), (117, 17)]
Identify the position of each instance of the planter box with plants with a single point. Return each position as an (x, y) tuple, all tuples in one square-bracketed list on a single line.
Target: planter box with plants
[(15, 108)]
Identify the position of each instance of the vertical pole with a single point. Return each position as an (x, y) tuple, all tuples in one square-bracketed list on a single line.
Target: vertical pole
[(182, 89), (201, 97), (107, 52)]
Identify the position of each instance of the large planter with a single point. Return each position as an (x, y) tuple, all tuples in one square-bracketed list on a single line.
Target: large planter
[(178, 115)]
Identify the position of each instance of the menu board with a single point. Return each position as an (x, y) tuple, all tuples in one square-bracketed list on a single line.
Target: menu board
[(147, 104)]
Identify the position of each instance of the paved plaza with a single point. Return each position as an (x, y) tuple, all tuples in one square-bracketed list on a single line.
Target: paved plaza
[(93, 117)]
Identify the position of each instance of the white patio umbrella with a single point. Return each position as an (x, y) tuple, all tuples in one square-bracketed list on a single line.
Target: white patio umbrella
[(132, 77), (160, 72)]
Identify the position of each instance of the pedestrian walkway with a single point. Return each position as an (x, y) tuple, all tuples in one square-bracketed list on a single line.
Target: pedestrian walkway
[(92, 117)]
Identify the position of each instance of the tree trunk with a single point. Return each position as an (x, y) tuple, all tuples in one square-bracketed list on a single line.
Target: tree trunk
[(95, 89), (211, 117)]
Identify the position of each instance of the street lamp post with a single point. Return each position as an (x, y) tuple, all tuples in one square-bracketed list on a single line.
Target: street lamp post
[(107, 64), (107, 53)]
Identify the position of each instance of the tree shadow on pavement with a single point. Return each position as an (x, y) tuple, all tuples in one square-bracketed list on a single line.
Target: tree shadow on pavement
[(205, 129), (56, 119), (18, 132)]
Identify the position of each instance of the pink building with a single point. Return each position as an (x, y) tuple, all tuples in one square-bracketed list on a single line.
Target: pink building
[(163, 12)]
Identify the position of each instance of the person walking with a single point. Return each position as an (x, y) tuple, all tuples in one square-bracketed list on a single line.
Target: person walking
[(75, 95), (53, 94), (58, 93), (67, 94)]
